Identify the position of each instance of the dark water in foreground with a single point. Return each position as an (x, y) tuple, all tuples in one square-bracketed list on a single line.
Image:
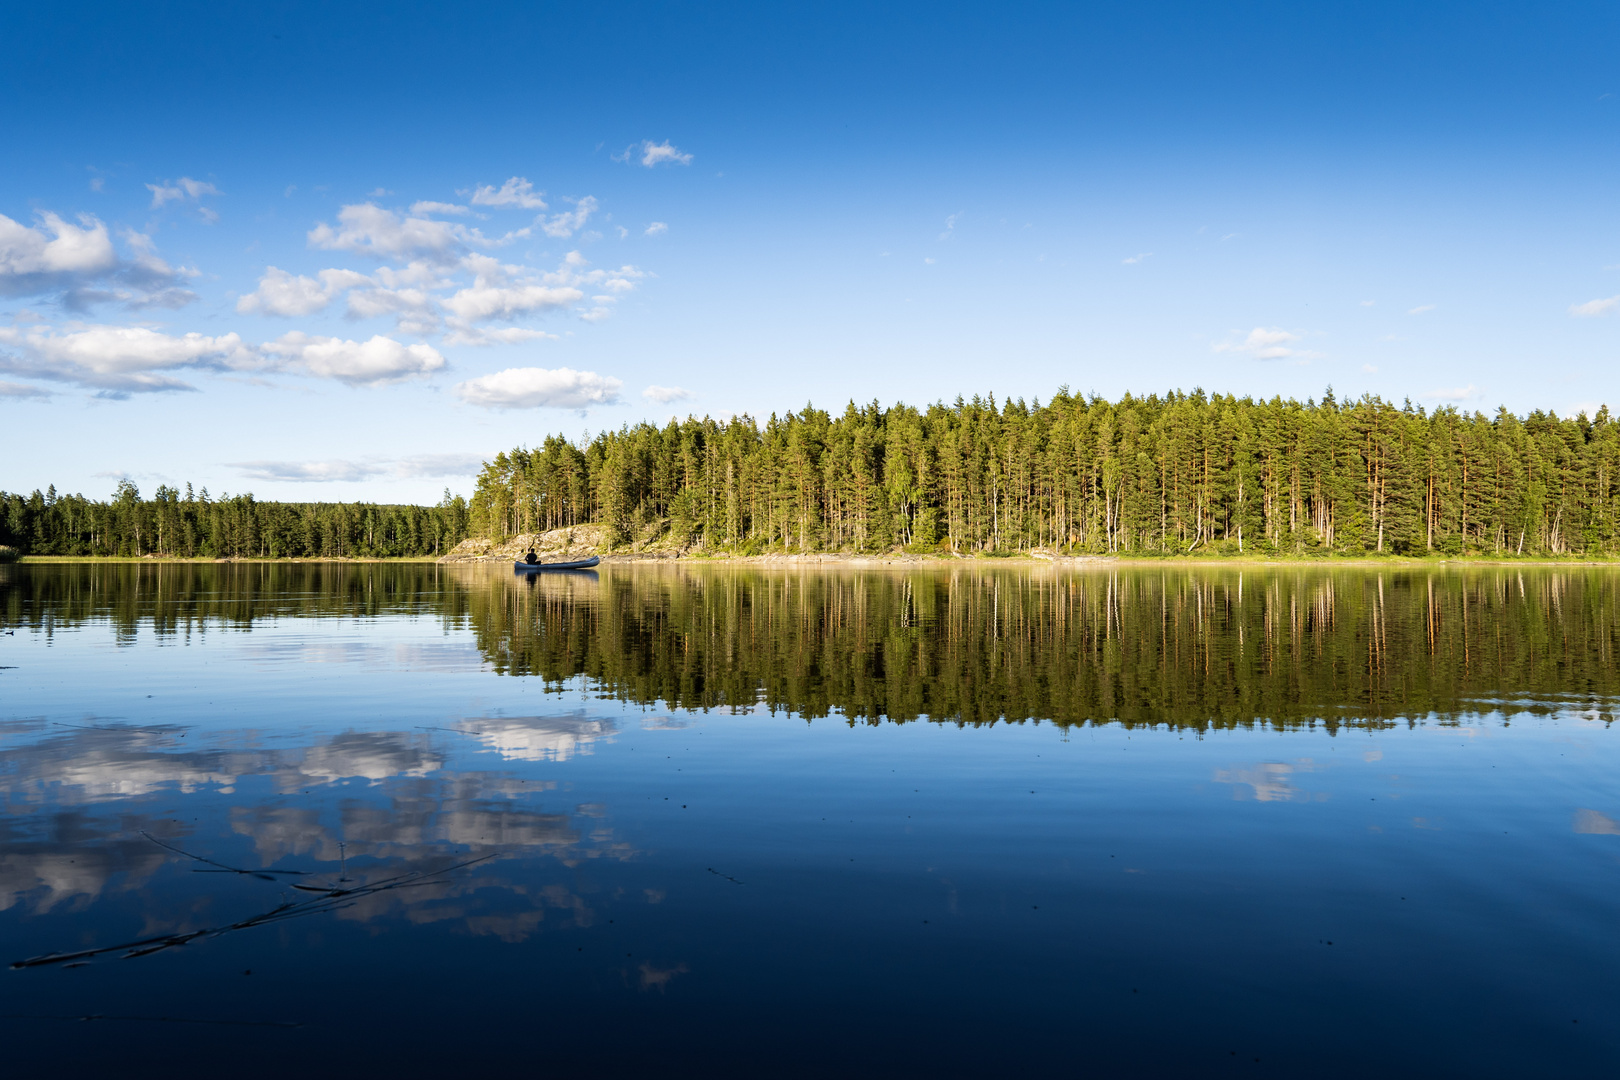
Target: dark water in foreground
[(721, 822)]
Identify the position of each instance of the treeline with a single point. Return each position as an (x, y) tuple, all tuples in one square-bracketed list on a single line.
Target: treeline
[(1175, 474), (193, 525)]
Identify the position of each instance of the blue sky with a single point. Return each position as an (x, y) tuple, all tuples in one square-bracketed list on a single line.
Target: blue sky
[(487, 227)]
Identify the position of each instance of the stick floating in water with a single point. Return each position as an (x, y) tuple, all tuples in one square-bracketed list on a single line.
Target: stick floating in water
[(327, 899)]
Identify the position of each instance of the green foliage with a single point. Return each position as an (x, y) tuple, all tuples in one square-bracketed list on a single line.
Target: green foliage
[(232, 526), (1183, 473)]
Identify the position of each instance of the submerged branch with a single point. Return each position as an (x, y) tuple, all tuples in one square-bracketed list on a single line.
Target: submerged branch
[(221, 868), (328, 899)]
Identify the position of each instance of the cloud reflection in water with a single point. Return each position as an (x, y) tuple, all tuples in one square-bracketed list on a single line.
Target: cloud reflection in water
[(368, 803), (1269, 781), (538, 738)]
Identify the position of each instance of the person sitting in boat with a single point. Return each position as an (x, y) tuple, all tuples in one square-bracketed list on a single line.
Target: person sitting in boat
[(531, 558)]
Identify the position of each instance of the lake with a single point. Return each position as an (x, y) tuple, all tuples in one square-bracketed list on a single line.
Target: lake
[(898, 821)]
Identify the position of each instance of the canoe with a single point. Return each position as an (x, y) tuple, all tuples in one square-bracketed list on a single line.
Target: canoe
[(534, 568)]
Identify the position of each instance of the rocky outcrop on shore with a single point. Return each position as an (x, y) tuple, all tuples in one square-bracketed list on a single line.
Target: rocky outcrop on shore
[(583, 541), (578, 542)]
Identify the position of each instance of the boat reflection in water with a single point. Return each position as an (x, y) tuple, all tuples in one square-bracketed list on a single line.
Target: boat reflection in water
[(937, 820), (521, 568)]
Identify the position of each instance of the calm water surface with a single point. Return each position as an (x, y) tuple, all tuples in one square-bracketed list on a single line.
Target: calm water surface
[(382, 818)]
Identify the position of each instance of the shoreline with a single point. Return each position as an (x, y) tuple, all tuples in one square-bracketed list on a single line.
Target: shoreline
[(164, 560), (836, 559)]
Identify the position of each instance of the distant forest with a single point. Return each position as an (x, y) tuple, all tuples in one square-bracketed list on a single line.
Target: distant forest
[(235, 526), (1176, 474)]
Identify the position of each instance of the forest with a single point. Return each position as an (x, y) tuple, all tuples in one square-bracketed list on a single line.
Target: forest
[(193, 525), (1186, 473)]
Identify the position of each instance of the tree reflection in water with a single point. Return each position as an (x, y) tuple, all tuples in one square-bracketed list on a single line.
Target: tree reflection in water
[(1190, 646), (1197, 648)]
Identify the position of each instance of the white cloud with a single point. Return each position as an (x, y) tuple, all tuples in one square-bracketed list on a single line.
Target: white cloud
[(415, 311), (1420, 309), (429, 465), (20, 390), (119, 359), (503, 292), (1134, 259), (1593, 308), (416, 274), (340, 470), (368, 229), (488, 270), (429, 295), (422, 283), (516, 193), (657, 228), (376, 362), (1582, 408), (618, 283), (434, 278), (499, 292), (145, 254), (1457, 393), (336, 281), (281, 293), (443, 209), (302, 472), (143, 280), (1268, 343), (54, 250), (534, 388), (566, 224), (477, 303), (1369, 369), (506, 335), (665, 394), (1368, 303), (185, 190), (660, 153)]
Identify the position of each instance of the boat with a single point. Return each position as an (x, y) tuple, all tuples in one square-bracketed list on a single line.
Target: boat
[(533, 568)]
